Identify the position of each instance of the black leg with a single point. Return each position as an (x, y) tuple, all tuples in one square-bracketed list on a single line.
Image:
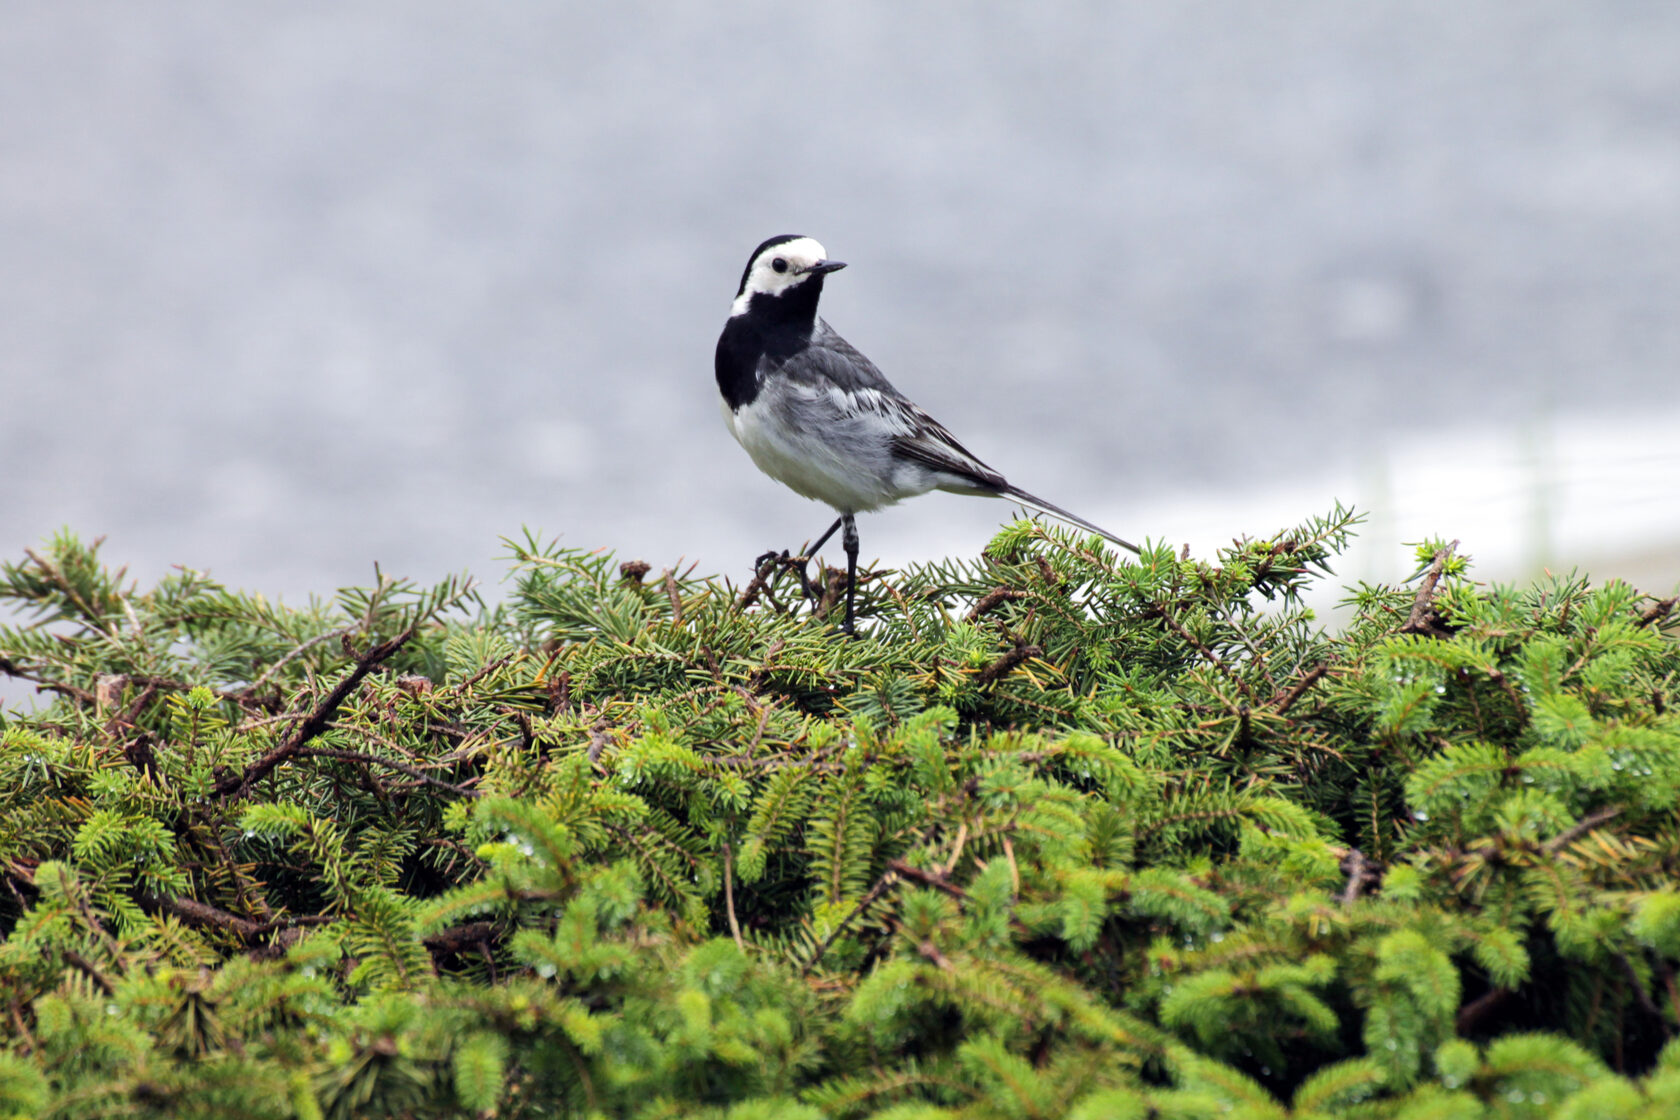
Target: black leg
[(822, 540), (850, 540), (810, 551)]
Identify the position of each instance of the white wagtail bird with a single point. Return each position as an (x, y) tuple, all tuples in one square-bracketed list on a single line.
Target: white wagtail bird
[(818, 417)]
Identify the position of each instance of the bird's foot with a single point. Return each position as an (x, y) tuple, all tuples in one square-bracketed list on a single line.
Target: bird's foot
[(786, 561), (801, 564)]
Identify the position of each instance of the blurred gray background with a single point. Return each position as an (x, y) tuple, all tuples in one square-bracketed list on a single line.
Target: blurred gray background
[(290, 288)]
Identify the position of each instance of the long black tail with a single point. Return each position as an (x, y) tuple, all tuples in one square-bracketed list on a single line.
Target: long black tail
[(1043, 506)]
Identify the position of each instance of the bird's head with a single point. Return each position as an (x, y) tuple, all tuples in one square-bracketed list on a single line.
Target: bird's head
[(783, 265)]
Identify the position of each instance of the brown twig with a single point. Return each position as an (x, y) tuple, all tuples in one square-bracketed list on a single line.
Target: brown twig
[(944, 886), (559, 691), (761, 576), (74, 891), (11, 669), (22, 1028), (238, 785), (1007, 662), (672, 594), (992, 599), (598, 740), (927, 879), (298, 651), (1580, 828), (1646, 1004), (931, 951), (1196, 643), (1354, 864), (456, 938), (460, 689), (1258, 654), (729, 897), (1556, 844), (127, 717), (783, 761), (1308, 679), (1480, 1008), (1518, 704), (89, 969), (1656, 612), (956, 849), (203, 914), (1424, 618), (763, 722), (264, 721), (390, 764), (871, 896), (834, 589), (62, 582), (248, 892)]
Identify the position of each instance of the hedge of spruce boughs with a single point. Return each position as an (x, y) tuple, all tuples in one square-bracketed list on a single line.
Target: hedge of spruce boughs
[(1061, 834)]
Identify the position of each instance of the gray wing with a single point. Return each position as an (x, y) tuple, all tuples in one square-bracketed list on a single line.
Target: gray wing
[(932, 445), (830, 362)]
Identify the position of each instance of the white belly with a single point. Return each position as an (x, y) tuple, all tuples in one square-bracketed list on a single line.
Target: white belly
[(847, 470)]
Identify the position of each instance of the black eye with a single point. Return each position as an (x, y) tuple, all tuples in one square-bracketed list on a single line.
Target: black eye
[(779, 264)]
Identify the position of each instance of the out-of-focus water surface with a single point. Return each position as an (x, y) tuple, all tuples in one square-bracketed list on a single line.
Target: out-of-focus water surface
[(290, 288)]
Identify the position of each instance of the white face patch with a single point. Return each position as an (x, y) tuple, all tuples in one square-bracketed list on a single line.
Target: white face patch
[(796, 258)]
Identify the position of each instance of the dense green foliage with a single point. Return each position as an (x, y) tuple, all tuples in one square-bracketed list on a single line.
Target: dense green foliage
[(1060, 834)]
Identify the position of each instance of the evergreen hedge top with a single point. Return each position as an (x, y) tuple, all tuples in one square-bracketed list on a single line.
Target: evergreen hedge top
[(1060, 835)]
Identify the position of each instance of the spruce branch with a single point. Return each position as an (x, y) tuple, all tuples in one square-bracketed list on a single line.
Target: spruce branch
[(996, 868), (57, 577)]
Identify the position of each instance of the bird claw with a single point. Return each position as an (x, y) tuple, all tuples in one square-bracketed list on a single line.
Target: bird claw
[(806, 587)]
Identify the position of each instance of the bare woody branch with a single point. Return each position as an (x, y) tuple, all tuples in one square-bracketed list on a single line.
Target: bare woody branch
[(239, 785), (1424, 618)]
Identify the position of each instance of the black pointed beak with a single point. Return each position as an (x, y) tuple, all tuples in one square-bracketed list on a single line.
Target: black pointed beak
[(827, 266)]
